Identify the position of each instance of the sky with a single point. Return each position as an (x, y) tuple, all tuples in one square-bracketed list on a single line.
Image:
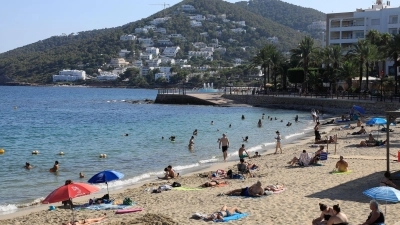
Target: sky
[(24, 22)]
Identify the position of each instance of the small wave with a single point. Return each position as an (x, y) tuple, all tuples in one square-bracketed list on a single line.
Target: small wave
[(213, 159), (6, 208), (293, 135), (186, 167)]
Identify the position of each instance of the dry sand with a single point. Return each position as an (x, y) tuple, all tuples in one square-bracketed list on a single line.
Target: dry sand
[(306, 187)]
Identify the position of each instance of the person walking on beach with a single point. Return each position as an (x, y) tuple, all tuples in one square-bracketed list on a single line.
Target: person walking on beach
[(224, 141), (278, 142), (316, 132)]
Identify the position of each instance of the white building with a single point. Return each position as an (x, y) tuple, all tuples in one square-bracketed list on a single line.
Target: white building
[(199, 45), (241, 23), (318, 25), (127, 37), (226, 20), (138, 63), (160, 30), (123, 53), (207, 49), (146, 56), (104, 76), (222, 16), (195, 23), (165, 42), (238, 30), (165, 69), (211, 17), (345, 29), (157, 21), (188, 8), (70, 75), (153, 62), (204, 54), (238, 61), (181, 61), (153, 51), (197, 17), (146, 70), (171, 51), (150, 27), (273, 40), (141, 30), (220, 49), (168, 60), (176, 36), (118, 62), (147, 42)]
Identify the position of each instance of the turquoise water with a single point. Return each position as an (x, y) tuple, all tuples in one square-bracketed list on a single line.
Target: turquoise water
[(86, 122)]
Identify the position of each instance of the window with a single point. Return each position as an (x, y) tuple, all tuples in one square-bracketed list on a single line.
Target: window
[(359, 34), (375, 22)]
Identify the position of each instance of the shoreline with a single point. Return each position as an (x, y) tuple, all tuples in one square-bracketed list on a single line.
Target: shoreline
[(213, 166)]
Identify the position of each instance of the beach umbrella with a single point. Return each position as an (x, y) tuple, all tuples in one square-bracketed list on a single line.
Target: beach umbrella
[(359, 109), (105, 177), (376, 121), (68, 192), (383, 193)]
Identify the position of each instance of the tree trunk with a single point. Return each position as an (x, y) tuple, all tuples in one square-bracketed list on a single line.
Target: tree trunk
[(274, 74), (268, 73), (361, 73), (367, 74), (305, 68), (265, 80), (396, 65)]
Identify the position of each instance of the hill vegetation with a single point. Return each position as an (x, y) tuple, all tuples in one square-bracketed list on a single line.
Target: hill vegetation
[(90, 50)]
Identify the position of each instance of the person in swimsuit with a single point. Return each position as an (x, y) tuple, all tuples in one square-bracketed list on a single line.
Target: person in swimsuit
[(28, 166), (296, 119), (81, 175), (361, 131), (339, 218), (246, 139), (242, 117), (274, 187), (256, 190), (326, 213), (195, 132), (316, 132), (259, 124), (191, 142), (278, 142), (171, 172), (213, 183), (224, 141), (342, 165), (376, 216), (372, 144), (241, 151), (172, 138), (386, 181), (86, 221), (223, 212), (55, 167)]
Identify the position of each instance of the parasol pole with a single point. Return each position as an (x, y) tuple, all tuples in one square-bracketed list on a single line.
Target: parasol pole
[(73, 217), (107, 190)]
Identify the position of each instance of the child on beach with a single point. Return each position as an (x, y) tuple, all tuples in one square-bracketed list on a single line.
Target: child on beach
[(278, 142)]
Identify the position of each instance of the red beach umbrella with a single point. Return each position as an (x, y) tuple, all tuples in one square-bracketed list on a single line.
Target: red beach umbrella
[(68, 192)]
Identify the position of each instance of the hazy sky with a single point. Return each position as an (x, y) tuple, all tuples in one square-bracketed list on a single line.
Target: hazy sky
[(26, 21)]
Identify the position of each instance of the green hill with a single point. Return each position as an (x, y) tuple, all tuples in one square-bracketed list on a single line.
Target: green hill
[(90, 50), (287, 14)]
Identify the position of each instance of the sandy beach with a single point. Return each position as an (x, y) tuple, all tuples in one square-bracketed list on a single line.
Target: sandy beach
[(298, 204)]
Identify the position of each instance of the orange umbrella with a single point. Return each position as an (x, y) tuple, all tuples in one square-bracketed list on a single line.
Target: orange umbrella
[(70, 191)]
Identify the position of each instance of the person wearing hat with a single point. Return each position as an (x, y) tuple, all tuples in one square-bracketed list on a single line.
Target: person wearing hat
[(278, 142), (342, 165)]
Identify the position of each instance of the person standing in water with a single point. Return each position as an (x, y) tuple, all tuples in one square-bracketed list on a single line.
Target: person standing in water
[(212, 122), (55, 167), (224, 141), (296, 119), (278, 142), (191, 142), (259, 124), (242, 117), (263, 115)]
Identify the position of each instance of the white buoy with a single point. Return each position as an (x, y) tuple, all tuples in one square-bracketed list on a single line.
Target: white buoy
[(35, 152)]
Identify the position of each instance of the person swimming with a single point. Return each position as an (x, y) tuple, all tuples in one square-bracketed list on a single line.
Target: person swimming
[(242, 117), (172, 138), (125, 135), (28, 166), (230, 125), (246, 138), (212, 122), (195, 132), (263, 115), (81, 175), (289, 124)]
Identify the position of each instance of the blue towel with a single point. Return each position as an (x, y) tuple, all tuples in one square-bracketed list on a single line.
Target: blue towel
[(235, 216), (102, 207)]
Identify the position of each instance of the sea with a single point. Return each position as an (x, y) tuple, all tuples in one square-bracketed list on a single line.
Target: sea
[(85, 122)]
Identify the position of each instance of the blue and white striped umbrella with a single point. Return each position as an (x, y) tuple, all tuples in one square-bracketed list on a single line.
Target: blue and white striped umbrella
[(383, 193)]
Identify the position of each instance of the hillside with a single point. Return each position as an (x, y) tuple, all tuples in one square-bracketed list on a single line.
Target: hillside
[(284, 13), (90, 50)]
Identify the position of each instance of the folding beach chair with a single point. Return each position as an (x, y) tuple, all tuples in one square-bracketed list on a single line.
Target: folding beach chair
[(242, 169), (323, 156)]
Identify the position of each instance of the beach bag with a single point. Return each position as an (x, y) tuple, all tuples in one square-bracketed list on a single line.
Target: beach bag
[(127, 201), (176, 184)]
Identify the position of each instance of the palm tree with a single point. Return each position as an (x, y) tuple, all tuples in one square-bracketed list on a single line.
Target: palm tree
[(347, 72), (263, 60), (393, 52), (304, 51), (275, 61), (361, 52)]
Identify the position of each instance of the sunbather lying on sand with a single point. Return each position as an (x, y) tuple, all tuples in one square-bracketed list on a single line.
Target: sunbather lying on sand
[(361, 131), (255, 190), (330, 140), (86, 221), (273, 187), (213, 183), (371, 144), (219, 215)]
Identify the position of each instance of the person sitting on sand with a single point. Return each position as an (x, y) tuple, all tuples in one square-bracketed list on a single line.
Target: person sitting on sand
[(86, 221), (342, 165), (376, 216), (304, 159), (359, 123), (68, 202), (274, 187), (241, 151), (225, 211), (28, 166), (330, 140), (213, 183), (386, 181), (243, 167), (371, 139), (339, 218), (256, 155), (166, 174), (172, 173), (326, 214), (245, 139), (256, 190), (195, 132), (361, 131), (369, 144), (317, 154)]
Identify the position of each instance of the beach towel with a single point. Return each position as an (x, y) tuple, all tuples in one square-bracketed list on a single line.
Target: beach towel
[(337, 172), (221, 185), (235, 216), (102, 207), (123, 211), (187, 189)]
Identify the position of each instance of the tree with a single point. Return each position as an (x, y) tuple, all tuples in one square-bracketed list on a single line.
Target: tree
[(263, 60), (361, 51), (347, 72), (393, 52), (275, 61), (304, 51)]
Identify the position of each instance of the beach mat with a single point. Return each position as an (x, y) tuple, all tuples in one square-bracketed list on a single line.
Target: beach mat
[(187, 189), (338, 173), (102, 207), (235, 216), (221, 185)]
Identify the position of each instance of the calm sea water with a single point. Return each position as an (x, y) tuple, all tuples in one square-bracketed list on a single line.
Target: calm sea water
[(86, 122)]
